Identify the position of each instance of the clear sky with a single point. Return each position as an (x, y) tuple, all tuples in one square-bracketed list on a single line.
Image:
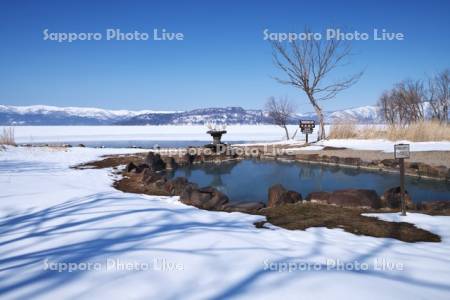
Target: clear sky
[(222, 61)]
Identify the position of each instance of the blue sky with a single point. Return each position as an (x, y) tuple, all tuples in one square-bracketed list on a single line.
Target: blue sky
[(223, 60)]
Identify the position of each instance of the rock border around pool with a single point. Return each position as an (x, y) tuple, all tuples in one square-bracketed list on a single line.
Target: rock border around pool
[(288, 209), (414, 169)]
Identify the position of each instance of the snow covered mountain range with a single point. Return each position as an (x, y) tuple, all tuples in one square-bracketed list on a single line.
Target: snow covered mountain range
[(52, 115)]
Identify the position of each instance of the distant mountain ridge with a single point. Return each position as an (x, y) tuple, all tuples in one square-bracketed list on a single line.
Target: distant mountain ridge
[(53, 115)]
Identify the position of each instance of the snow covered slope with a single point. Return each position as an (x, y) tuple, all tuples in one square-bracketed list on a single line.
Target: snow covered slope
[(53, 115)]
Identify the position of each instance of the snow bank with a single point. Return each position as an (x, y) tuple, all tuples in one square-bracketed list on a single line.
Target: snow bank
[(54, 218)]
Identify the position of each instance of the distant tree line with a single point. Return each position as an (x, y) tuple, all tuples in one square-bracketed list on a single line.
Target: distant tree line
[(404, 103)]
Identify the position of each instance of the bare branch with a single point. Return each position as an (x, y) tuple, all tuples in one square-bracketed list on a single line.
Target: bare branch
[(280, 111), (308, 63)]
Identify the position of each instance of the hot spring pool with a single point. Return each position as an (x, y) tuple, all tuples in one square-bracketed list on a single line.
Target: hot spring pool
[(249, 180)]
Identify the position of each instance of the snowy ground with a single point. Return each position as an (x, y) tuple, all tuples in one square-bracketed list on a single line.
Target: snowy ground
[(53, 218), (387, 146)]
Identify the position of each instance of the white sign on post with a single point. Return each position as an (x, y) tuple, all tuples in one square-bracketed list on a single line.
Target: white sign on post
[(401, 151)]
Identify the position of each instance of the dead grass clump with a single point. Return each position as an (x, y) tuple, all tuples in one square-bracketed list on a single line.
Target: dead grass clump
[(420, 132), (343, 130), (7, 137), (423, 131)]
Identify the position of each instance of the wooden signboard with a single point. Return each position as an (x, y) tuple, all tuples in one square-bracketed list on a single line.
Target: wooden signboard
[(307, 127), (401, 151)]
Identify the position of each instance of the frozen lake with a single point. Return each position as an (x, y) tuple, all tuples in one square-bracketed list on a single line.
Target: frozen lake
[(139, 134)]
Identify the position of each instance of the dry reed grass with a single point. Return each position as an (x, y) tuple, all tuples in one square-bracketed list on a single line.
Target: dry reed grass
[(416, 132), (7, 136)]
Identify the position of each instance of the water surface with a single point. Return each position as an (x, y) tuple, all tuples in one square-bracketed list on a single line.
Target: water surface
[(249, 180)]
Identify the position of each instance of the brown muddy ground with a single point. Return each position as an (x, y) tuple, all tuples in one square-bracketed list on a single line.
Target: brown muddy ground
[(306, 215)]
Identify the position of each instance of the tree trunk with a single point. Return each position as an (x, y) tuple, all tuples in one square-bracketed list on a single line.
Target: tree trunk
[(321, 133), (287, 132)]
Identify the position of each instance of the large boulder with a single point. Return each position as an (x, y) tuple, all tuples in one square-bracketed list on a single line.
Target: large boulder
[(433, 171), (169, 162), (439, 206), (149, 176), (318, 197), (177, 185), (130, 167), (154, 162), (307, 157), (184, 160), (334, 159), (207, 198), (389, 162), (355, 198), (278, 195), (140, 168), (391, 198), (351, 161)]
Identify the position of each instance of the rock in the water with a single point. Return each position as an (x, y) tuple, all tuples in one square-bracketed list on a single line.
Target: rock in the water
[(391, 198), (205, 198), (278, 195), (169, 162), (184, 160), (154, 162), (355, 198)]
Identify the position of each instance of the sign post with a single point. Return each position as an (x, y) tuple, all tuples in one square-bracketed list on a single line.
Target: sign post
[(401, 151), (307, 127)]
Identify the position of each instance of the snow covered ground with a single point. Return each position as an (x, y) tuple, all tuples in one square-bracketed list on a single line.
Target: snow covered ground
[(67, 234), (387, 146)]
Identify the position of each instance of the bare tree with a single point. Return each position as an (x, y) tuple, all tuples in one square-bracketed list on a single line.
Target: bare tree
[(308, 64), (280, 111), (410, 95), (388, 107), (403, 104), (439, 95)]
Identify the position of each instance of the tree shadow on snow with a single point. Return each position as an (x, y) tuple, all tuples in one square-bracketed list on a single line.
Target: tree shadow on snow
[(37, 230)]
